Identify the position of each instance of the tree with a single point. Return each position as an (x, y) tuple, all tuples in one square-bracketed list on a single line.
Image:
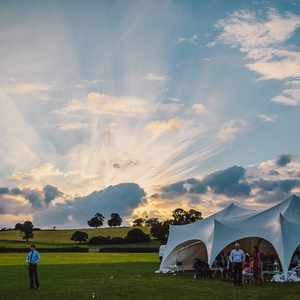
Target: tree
[(194, 215), (96, 221), (140, 222), (19, 227), (79, 236), (137, 235), (115, 220), (27, 228), (151, 221), (161, 230), (180, 216)]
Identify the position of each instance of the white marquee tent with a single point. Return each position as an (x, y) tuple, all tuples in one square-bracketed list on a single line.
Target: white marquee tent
[(278, 225)]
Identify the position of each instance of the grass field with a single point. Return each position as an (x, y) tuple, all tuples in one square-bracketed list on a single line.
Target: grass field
[(120, 276), (61, 238)]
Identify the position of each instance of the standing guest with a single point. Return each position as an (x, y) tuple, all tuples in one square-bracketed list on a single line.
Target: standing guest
[(248, 270), (33, 258), (257, 265), (237, 257)]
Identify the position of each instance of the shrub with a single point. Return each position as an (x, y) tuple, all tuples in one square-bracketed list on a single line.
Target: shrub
[(100, 240), (137, 235), (79, 236), (117, 241)]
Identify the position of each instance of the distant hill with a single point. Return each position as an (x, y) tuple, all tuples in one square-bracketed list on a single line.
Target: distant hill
[(61, 238)]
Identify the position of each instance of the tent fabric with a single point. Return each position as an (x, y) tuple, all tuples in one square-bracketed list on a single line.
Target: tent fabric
[(279, 225)]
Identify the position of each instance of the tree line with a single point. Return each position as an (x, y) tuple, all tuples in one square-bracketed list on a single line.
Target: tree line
[(159, 229)]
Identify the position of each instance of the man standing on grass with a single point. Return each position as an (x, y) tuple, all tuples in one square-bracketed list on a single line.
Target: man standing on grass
[(237, 258), (33, 258)]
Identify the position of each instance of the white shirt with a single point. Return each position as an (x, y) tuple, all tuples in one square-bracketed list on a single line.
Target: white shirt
[(237, 256)]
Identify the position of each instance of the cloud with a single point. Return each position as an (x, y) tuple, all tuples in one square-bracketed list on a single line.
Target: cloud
[(289, 96), (283, 160), (103, 104), (71, 126), (194, 39), (155, 77), (51, 193), (248, 30), (268, 118), (231, 129), (257, 187), (15, 200), (14, 205), (163, 126), (169, 107), (283, 64), (34, 197), (121, 198), (24, 88), (199, 108), (38, 174), (176, 100), (262, 37), (87, 83), (7, 220), (71, 181), (229, 182), (191, 185), (286, 185)]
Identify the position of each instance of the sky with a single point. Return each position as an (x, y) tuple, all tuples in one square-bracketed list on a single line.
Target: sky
[(139, 107)]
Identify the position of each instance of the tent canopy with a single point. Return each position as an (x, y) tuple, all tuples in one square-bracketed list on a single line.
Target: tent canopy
[(279, 225)]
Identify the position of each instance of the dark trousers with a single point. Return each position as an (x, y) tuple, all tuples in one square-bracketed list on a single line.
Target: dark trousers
[(33, 276), (237, 269)]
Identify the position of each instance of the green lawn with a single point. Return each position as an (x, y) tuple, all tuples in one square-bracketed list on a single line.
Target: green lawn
[(120, 276), (61, 238)]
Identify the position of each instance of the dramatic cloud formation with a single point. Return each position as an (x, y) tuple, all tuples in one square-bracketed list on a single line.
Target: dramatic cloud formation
[(137, 97), (17, 203), (122, 199), (255, 187)]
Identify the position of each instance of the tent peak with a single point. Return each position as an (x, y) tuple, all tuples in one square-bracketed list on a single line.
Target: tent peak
[(233, 211), (294, 198), (292, 211)]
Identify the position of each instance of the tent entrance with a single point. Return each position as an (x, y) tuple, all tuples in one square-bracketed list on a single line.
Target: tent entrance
[(184, 255), (270, 255), (295, 260)]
